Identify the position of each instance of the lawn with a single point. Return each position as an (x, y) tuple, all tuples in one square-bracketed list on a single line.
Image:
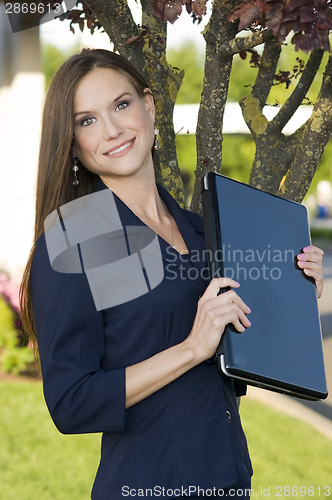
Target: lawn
[(36, 461), (290, 458)]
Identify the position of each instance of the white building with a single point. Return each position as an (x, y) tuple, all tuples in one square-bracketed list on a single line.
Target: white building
[(21, 98)]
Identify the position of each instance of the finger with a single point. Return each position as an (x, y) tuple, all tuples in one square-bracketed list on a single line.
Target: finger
[(314, 266), (234, 316), (311, 253), (310, 256), (243, 319), (229, 309), (318, 277), (216, 285), (319, 280), (313, 248), (232, 297), (229, 318)]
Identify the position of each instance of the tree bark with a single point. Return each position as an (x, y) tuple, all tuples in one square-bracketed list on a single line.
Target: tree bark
[(165, 83), (218, 63), (267, 71), (275, 152), (316, 134), (116, 18), (243, 43)]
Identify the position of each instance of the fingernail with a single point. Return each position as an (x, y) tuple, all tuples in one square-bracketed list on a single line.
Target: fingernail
[(306, 249), (238, 284), (248, 308)]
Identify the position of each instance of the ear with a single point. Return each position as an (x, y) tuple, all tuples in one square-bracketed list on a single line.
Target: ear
[(149, 101)]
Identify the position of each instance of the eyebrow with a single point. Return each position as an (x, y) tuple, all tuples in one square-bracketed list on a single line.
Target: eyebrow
[(114, 101)]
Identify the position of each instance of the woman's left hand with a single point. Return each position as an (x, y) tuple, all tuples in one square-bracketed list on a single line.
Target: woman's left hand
[(311, 262)]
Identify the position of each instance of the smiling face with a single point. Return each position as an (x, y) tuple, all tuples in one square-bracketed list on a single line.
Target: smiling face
[(113, 125)]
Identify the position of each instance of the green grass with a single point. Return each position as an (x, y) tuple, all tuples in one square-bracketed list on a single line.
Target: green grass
[(36, 461), (286, 452)]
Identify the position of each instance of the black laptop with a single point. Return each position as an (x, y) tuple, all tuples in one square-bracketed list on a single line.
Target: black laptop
[(254, 237)]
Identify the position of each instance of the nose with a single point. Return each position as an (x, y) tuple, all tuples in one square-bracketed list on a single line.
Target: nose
[(111, 128)]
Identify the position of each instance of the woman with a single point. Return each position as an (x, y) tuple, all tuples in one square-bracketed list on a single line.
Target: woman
[(134, 370)]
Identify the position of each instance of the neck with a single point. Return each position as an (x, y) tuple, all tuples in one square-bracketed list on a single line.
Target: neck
[(140, 195)]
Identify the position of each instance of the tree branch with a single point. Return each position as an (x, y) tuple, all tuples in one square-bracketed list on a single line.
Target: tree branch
[(293, 102), (243, 43), (317, 133), (253, 104), (267, 71), (116, 18)]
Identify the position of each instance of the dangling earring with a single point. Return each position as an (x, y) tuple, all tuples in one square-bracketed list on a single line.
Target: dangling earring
[(75, 170), (156, 139)]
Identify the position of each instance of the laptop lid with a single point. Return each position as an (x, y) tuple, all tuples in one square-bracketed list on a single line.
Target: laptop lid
[(254, 237)]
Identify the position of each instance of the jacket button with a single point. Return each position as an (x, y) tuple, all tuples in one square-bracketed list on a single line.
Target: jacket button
[(229, 416)]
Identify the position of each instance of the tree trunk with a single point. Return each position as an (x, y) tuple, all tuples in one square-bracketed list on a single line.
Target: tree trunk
[(165, 83), (218, 63)]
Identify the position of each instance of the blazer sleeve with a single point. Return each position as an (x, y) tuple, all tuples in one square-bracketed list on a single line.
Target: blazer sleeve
[(80, 395)]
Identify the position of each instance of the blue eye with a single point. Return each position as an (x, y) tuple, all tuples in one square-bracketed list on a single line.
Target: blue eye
[(85, 122), (121, 105)]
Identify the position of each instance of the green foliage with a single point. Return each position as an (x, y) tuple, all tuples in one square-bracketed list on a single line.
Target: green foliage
[(238, 153), (186, 152), (52, 59), (190, 58), (243, 76), (321, 235), (14, 358)]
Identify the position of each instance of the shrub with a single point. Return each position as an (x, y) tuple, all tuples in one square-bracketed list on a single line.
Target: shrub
[(15, 354)]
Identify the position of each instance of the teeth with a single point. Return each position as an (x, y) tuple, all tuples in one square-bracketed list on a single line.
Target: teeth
[(121, 148)]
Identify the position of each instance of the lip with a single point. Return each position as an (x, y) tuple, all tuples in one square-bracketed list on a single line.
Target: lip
[(121, 149)]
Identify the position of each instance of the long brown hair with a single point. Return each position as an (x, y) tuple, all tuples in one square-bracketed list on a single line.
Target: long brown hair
[(54, 177)]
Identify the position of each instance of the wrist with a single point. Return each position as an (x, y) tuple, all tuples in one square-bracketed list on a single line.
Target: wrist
[(193, 352)]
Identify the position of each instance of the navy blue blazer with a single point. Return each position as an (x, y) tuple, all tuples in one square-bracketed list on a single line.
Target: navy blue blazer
[(189, 432)]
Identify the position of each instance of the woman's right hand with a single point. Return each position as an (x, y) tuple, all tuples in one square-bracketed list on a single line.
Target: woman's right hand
[(214, 312)]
